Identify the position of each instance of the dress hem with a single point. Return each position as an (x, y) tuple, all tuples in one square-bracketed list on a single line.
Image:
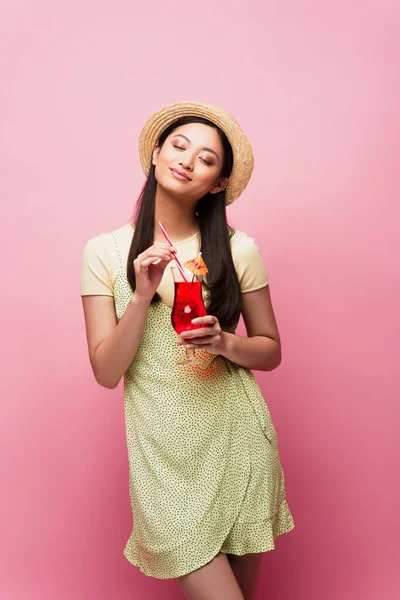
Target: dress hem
[(225, 547)]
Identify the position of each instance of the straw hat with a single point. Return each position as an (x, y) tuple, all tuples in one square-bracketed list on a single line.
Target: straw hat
[(243, 159)]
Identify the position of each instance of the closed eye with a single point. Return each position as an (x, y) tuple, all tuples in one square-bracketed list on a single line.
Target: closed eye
[(203, 159)]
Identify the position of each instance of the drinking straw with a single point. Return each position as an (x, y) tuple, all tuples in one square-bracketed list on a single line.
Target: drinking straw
[(178, 262)]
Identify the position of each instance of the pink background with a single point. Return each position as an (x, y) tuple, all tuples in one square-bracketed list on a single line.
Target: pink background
[(315, 85)]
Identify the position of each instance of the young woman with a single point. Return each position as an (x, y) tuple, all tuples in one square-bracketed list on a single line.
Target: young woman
[(206, 484)]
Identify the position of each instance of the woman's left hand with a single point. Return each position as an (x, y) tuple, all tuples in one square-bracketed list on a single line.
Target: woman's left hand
[(212, 339)]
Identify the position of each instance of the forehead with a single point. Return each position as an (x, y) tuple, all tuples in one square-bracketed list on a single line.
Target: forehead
[(200, 134)]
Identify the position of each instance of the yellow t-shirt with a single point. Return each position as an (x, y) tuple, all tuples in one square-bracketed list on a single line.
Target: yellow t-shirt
[(100, 262)]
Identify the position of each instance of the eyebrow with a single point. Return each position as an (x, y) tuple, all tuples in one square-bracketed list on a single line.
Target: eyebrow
[(205, 148)]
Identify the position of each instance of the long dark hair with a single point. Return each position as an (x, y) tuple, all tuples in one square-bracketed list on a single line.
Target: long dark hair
[(221, 280)]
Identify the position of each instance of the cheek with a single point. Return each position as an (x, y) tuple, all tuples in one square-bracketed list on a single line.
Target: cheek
[(162, 164), (167, 156), (207, 178)]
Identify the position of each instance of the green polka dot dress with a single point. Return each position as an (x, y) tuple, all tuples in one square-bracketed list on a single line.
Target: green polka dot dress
[(204, 469)]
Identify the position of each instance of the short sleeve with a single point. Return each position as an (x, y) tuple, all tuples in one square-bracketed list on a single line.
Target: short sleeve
[(250, 267), (96, 272)]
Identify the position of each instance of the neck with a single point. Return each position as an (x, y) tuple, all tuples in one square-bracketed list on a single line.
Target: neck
[(178, 217)]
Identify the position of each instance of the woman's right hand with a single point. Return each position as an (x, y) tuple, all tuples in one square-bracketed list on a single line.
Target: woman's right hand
[(149, 268)]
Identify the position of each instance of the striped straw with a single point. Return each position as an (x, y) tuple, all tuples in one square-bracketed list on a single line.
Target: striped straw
[(178, 262)]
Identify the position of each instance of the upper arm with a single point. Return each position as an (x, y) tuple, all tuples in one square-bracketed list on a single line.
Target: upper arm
[(250, 268), (258, 314), (100, 320), (97, 291)]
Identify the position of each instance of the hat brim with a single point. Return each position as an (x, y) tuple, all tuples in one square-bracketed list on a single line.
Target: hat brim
[(243, 159)]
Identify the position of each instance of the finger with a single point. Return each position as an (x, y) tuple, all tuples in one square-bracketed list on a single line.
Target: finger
[(140, 268), (181, 341), (206, 341), (164, 246), (206, 347), (148, 254), (147, 262), (193, 333), (152, 260), (208, 319), (157, 252)]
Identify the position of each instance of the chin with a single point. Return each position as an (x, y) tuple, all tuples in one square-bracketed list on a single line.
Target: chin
[(173, 189)]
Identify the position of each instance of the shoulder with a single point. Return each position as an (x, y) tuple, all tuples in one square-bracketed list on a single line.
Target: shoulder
[(249, 264), (105, 244), (99, 243), (101, 259), (242, 244)]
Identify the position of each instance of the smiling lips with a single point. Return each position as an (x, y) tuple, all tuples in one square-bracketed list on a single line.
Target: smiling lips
[(180, 175)]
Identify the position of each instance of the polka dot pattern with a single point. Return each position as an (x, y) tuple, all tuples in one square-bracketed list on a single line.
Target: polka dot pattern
[(204, 468)]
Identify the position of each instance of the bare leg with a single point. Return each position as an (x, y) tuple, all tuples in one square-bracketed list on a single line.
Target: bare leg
[(213, 581), (246, 569)]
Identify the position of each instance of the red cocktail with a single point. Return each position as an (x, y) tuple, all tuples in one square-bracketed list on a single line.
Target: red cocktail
[(188, 305)]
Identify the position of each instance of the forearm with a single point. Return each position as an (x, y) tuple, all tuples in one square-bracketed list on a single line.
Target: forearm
[(258, 352), (114, 355)]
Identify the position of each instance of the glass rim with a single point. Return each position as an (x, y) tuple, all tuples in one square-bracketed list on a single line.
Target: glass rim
[(185, 269), (188, 273)]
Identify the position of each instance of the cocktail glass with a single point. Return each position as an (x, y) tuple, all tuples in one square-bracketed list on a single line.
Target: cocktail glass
[(188, 305)]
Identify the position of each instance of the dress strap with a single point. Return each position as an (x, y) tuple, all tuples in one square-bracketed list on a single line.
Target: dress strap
[(121, 264)]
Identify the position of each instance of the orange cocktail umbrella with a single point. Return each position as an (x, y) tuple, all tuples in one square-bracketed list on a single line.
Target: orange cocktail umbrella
[(196, 265)]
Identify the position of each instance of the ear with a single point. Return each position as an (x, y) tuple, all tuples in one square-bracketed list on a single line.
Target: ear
[(219, 185), (156, 152)]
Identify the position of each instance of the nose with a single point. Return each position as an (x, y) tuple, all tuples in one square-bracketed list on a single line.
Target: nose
[(187, 162)]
